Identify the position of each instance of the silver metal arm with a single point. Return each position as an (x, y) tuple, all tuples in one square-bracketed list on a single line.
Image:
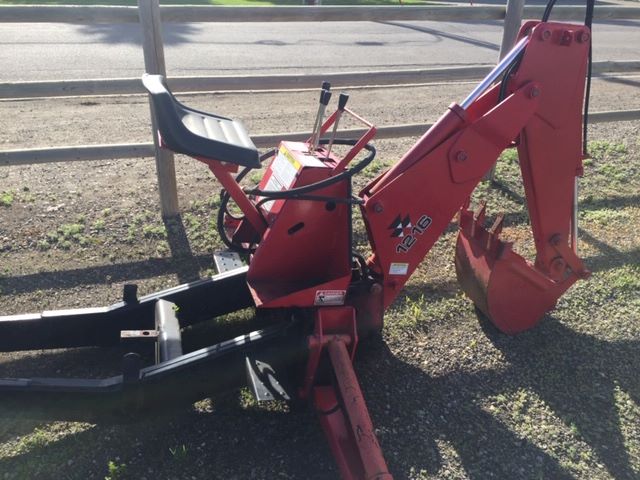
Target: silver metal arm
[(495, 73)]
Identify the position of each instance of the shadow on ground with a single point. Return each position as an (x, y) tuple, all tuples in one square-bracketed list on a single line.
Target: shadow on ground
[(172, 34), (575, 375), (439, 34)]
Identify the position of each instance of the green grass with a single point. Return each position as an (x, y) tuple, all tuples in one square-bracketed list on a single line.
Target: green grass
[(605, 216), (6, 199), (561, 398), (116, 470), (65, 236)]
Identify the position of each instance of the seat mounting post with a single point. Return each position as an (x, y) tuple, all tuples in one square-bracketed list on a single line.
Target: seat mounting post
[(250, 211)]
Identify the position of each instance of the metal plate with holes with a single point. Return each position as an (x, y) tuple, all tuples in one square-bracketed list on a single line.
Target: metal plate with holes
[(226, 261)]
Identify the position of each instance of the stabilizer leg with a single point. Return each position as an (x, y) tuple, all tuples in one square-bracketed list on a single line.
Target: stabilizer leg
[(340, 404), (346, 422)]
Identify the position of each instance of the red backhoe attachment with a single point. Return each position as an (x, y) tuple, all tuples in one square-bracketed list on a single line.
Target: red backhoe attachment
[(314, 295), (513, 293), (539, 107)]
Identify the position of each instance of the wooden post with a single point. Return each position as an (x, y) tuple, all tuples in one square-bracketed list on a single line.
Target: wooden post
[(149, 12), (512, 22)]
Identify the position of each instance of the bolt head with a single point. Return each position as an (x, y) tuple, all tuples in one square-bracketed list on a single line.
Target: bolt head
[(546, 35), (567, 37), (377, 208), (461, 156), (558, 265), (583, 37), (535, 92)]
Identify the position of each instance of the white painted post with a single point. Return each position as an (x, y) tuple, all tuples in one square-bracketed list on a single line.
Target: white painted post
[(512, 22), (149, 12)]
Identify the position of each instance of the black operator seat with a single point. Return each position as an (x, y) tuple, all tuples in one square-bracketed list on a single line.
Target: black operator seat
[(199, 134)]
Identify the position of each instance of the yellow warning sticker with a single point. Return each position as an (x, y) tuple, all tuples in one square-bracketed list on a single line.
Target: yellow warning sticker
[(287, 154), (284, 169)]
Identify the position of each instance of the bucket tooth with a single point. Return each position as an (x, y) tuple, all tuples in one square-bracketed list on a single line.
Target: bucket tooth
[(494, 244), (496, 228), (469, 220), (479, 215), (480, 212)]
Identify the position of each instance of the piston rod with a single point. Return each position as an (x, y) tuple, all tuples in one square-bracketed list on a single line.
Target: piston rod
[(495, 73)]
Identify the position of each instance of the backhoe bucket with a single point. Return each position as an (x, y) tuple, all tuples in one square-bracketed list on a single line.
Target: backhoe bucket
[(508, 289)]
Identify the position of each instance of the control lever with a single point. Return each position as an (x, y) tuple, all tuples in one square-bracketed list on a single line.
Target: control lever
[(342, 103), (325, 96), (325, 86)]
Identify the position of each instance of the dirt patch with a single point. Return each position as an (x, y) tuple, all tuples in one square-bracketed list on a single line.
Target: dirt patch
[(450, 397)]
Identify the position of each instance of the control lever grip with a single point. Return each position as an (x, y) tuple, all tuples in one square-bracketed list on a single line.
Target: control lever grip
[(342, 101), (325, 97)]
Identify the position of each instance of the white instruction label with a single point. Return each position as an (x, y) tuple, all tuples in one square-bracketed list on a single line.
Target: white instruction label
[(272, 185), (398, 269), (285, 167), (330, 297)]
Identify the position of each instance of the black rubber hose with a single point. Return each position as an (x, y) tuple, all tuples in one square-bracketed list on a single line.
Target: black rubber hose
[(300, 193), (504, 83), (547, 10)]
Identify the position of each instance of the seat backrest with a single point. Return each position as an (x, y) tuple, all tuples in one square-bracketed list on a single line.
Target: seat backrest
[(198, 134)]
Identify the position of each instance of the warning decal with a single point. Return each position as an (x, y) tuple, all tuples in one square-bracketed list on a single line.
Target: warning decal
[(285, 167), (330, 297), (398, 269), (272, 185)]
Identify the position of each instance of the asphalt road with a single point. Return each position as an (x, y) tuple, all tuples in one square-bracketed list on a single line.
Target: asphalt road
[(58, 51)]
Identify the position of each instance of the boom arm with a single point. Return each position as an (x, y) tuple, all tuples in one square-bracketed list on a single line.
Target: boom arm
[(407, 208)]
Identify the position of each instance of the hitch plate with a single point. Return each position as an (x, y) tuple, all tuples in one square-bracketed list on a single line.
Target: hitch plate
[(227, 261)]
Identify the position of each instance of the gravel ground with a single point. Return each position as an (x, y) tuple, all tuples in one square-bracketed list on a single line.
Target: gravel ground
[(449, 396)]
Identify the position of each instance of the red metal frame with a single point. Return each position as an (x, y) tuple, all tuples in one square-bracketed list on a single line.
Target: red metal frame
[(429, 184), (366, 137), (312, 258), (235, 191)]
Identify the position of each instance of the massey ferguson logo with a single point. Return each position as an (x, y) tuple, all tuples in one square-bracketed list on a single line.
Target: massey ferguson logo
[(399, 225), (402, 228)]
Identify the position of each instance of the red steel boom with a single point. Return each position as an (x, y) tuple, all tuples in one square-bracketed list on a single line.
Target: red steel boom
[(408, 207)]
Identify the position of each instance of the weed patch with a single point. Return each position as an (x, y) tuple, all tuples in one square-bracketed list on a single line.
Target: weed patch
[(6, 199)]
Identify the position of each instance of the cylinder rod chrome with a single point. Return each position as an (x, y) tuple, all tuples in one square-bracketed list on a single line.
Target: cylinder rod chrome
[(495, 73)]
